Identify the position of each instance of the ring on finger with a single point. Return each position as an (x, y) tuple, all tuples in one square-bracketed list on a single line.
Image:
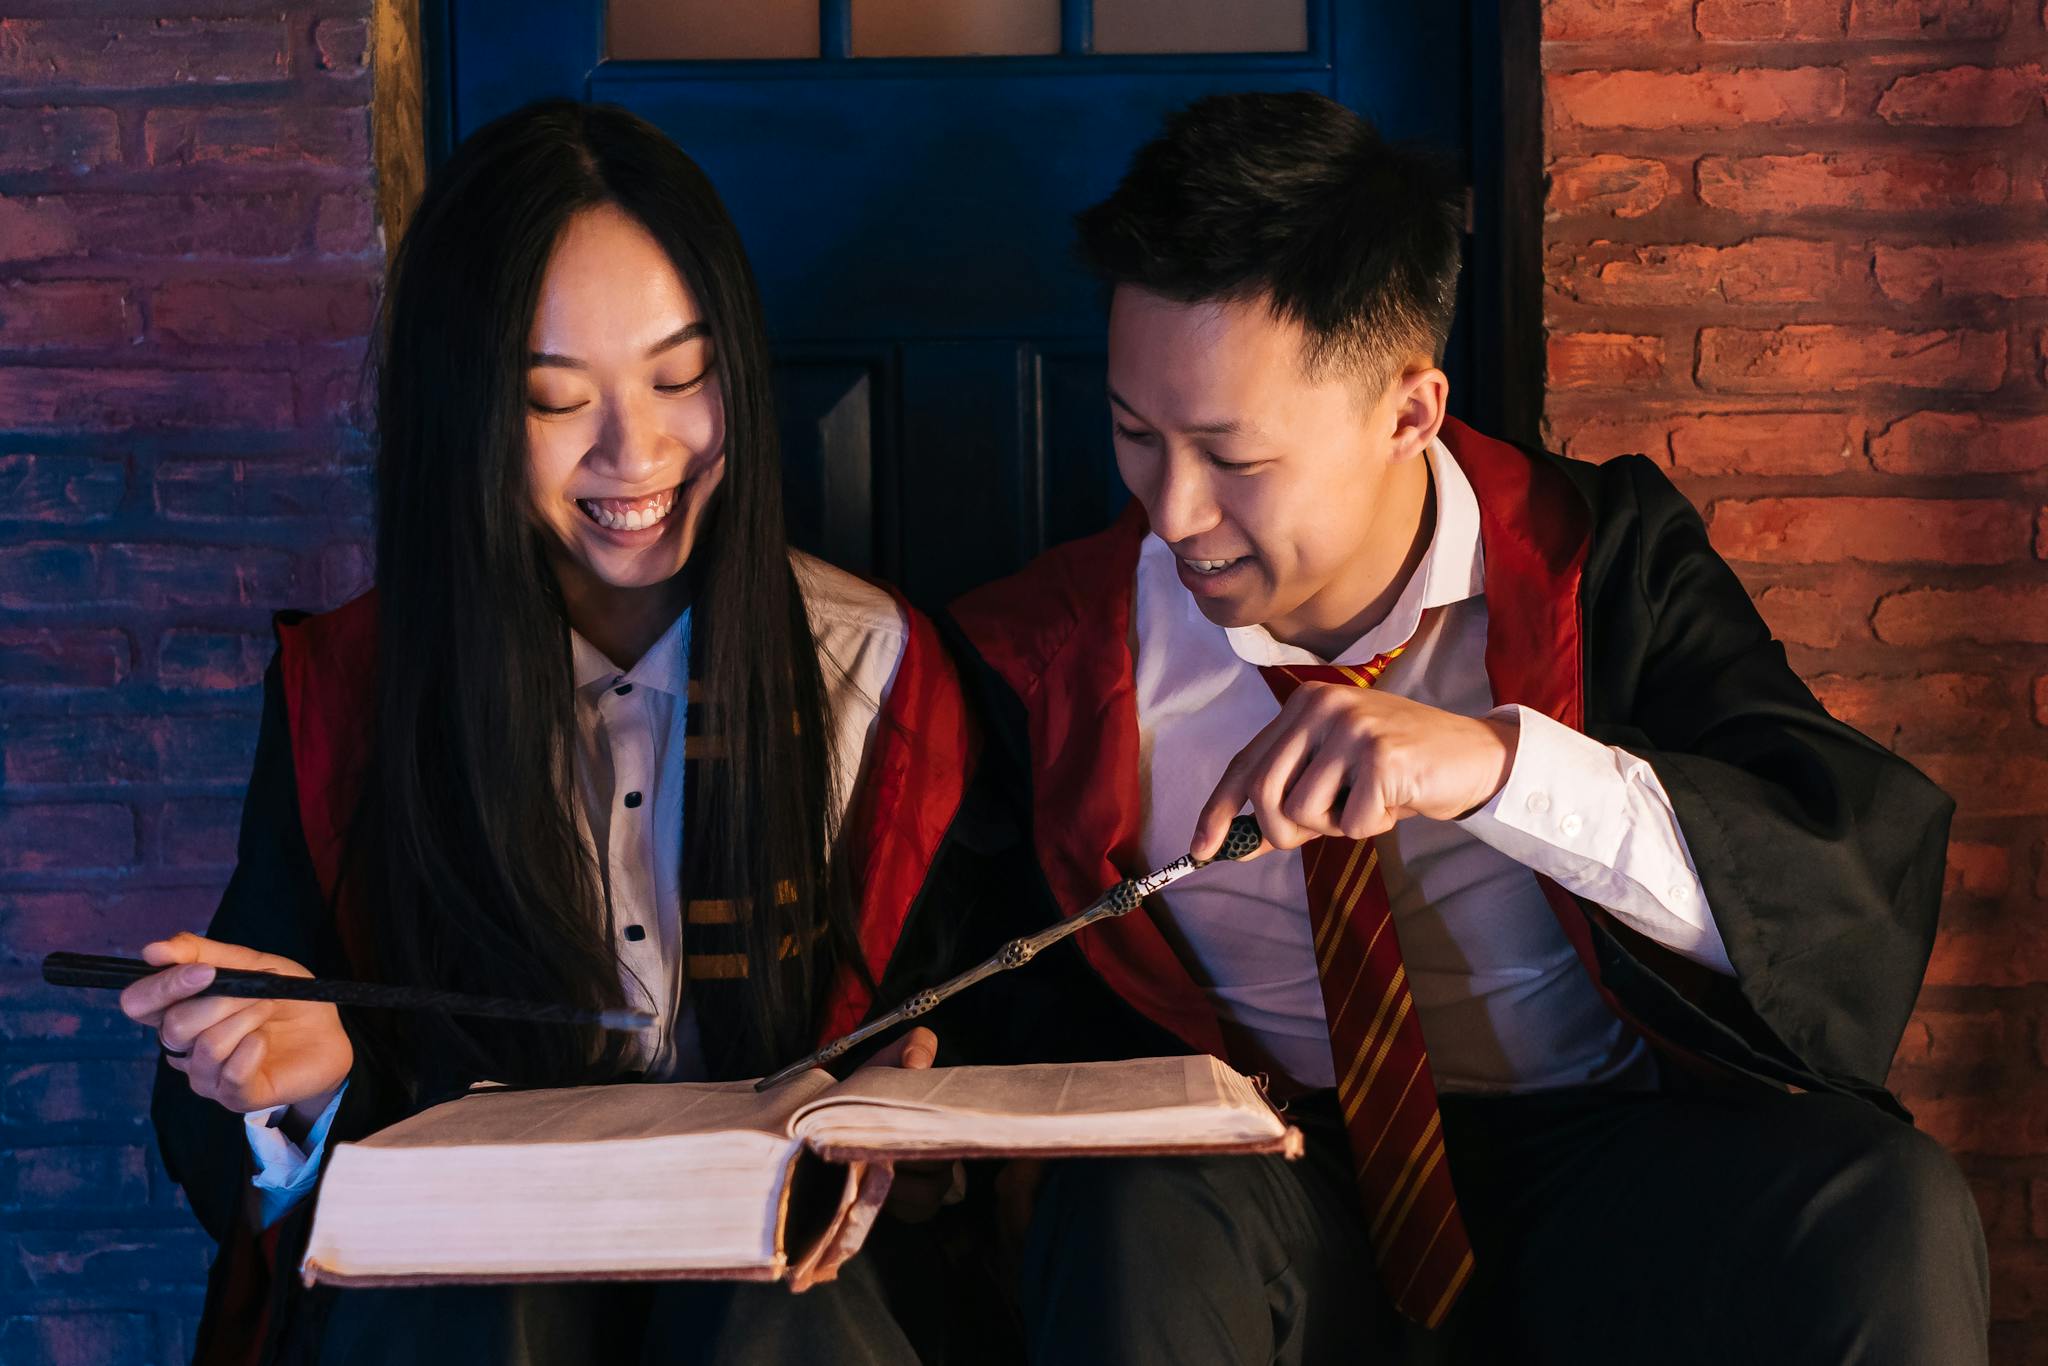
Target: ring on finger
[(169, 1051)]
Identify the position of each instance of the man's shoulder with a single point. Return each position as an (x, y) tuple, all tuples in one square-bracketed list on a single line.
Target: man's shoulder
[(1021, 622)]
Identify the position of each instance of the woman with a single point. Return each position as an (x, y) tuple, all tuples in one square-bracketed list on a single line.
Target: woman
[(596, 737)]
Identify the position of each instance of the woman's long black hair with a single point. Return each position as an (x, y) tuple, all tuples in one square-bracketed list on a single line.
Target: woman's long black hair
[(466, 868)]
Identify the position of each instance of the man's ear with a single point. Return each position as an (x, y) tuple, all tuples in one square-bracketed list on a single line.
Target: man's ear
[(1416, 404)]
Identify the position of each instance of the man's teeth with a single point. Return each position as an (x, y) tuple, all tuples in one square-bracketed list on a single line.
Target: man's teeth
[(1208, 566), (628, 514)]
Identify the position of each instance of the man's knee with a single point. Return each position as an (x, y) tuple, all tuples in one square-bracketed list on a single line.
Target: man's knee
[(1130, 1212), (1891, 1236)]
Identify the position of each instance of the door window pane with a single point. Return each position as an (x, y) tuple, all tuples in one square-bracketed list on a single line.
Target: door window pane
[(671, 30), (1201, 25), (955, 28)]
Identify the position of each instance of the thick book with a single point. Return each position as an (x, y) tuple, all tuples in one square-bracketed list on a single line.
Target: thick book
[(718, 1181)]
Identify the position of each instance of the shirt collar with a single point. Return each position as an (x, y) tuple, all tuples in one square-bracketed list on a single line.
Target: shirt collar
[(1453, 569), (665, 667)]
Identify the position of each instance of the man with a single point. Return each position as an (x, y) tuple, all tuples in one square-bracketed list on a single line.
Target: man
[(1587, 935)]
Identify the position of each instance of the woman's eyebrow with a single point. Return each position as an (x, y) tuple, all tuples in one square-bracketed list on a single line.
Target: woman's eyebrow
[(688, 333)]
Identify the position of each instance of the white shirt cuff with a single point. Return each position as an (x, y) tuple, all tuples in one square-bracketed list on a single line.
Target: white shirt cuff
[(284, 1171), (1596, 819)]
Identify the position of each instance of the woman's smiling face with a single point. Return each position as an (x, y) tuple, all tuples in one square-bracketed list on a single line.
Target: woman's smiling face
[(625, 421)]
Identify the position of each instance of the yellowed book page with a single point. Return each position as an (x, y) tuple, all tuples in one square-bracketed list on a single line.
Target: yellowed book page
[(1148, 1104), (597, 1114)]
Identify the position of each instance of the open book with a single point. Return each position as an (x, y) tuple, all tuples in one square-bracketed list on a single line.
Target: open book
[(715, 1180)]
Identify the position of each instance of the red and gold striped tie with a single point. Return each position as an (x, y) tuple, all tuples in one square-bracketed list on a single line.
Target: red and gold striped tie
[(1382, 1069)]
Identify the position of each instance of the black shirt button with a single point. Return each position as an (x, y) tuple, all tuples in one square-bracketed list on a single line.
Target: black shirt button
[(632, 800), (636, 933), (623, 689)]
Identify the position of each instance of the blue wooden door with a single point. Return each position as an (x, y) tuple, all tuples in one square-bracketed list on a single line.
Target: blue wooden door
[(939, 355)]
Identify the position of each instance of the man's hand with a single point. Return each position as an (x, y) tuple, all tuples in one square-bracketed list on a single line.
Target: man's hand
[(919, 1188), (1348, 761)]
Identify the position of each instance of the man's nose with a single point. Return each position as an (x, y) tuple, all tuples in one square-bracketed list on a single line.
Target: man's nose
[(1183, 505)]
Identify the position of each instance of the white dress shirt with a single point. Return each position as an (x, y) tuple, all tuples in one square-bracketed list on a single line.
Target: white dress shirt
[(630, 765), (1504, 1003)]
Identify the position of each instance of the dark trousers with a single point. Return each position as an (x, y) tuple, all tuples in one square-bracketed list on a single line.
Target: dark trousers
[(1606, 1226), (847, 1322)]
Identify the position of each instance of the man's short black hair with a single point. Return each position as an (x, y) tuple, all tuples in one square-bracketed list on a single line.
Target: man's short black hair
[(1294, 198)]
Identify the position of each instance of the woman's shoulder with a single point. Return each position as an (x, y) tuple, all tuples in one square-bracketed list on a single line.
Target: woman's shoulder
[(846, 607)]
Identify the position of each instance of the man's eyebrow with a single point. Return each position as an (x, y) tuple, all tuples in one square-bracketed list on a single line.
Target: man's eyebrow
[(688, 333), (1231, 428)]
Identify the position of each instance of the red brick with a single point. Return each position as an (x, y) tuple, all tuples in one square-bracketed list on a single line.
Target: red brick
[(68, 574), (1961, 443), (74, 399), (158, 576), (1804, 357), (199, 660), (200, 832), (117, 750), (1876, 530), (72, 140), (279, 312), (1882, 181), (1963, 97), (1604, 360), (244, 490), (1953, 1039), (70, 1178), (1602, 439), (2037, 1208), (2041, 715), (52, 657), (115, 922), (1623, 187), (35, 229), (132, 226), (1979, 870), (1686, 275), (69, 1263), (1768, 20), (2010, 956), (1821, 618), (2004, 270), (1913, 711), (60, 490), (41, 315), (1987, 616), (133, 54), (1579, 21), (1987, 785), (1696, 99), (301, 136), (51, 1338), (345, 571), (346, 225), (41, 837), (1766, 443), (2041, 534), (1983, 1125), (1928, 18), (343, 45)]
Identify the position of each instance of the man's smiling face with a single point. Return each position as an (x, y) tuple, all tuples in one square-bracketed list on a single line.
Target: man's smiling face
[(1280, 494)]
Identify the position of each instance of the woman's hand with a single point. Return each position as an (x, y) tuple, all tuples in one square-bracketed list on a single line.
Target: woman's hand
[(1348, 761), (919, 1188), (246, 1055)]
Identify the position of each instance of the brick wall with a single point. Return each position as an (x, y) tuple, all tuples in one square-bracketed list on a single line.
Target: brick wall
[(1796, 250), (188, 258)]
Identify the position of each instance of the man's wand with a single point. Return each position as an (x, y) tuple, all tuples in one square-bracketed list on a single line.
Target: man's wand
[(1243, 840)]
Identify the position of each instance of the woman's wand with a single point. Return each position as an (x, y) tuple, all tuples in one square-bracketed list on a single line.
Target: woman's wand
[(1244, 839)]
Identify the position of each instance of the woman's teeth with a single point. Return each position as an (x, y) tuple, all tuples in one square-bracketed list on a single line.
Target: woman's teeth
[(1208, 566), (628, 514)]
